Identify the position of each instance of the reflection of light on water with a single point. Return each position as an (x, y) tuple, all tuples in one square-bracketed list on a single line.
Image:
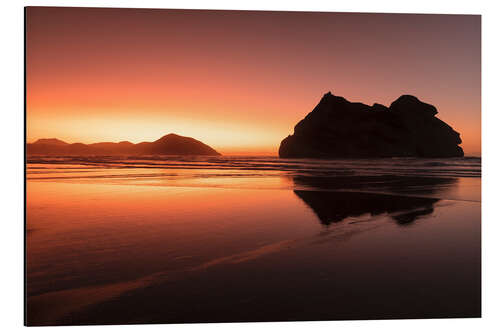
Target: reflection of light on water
[(464, 167), (236, 172), (100, 232)]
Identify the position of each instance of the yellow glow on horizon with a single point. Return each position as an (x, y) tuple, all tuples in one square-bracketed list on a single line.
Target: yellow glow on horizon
[(228, 136), (225, 136), (91, 78)]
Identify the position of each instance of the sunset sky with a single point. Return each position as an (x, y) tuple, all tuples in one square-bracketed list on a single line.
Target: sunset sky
[(238, 81)]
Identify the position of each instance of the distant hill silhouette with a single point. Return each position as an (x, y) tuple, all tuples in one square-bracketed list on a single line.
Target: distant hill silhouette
[(50, 142), (337, 128), (171, 144)]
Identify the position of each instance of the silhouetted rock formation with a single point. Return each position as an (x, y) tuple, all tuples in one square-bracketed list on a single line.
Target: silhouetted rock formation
[(171, 144), (337, 128)]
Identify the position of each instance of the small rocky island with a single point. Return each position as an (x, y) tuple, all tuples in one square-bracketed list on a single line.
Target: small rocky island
[(170, 144), (337, 128)]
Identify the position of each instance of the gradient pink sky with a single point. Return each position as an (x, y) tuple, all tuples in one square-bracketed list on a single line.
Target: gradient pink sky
[(238, 80)]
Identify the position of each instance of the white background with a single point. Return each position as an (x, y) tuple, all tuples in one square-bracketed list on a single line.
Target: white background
[(12, 176)]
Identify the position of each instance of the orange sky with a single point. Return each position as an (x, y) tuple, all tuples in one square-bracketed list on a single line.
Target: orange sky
[(238, 81)]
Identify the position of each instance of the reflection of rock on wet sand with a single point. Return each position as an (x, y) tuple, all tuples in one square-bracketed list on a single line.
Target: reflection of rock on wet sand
[(335, 198), (331, 207)]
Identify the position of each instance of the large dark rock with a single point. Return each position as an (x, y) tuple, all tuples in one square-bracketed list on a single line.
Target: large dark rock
[(171, 144), (337, 128)]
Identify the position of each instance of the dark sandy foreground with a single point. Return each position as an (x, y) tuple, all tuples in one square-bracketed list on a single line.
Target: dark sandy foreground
[(122, 252)]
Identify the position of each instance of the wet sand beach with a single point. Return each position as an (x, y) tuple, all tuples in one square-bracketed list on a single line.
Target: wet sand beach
[(171, 240)]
